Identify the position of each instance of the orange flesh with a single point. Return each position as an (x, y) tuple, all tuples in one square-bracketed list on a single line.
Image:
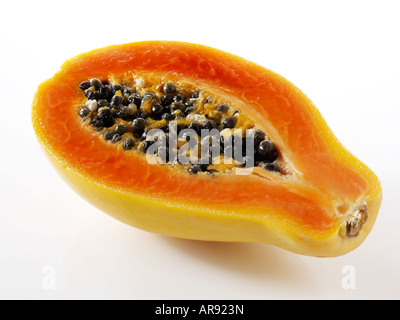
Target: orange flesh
[(278, 107)]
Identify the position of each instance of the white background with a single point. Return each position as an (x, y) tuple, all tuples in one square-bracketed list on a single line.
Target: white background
[(343, 54)]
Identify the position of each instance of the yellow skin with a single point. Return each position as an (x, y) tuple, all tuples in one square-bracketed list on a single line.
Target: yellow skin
[(202, 222)]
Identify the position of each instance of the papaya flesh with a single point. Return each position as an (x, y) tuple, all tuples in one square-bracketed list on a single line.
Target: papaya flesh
[(306, 194)]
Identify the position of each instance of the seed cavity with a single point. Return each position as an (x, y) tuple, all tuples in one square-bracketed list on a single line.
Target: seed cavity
[(181, 126), (354, 220)]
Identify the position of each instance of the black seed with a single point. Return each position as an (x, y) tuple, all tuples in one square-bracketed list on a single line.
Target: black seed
[(84, 112), (103, 103), (127, 91), (177, 106), (116, 87), (92, 95), (196, 127), (223, 108), (157, 109), (270, 167), (165, 128), (136, 99), (96, 83), (106, 92), (229, 122), (138, 125), (141, 114), (121, 129), (258, 137), (149, 97), (267, 151), (195, 169), (108, 135), (103, 119), (144, 134), (196, 95), (116, 101), (168, 116), (125, 112), (84, 85), (180, 97), (166, 100), (169, 88), (116, 137), (209, 124), (147, 144), (128, 143), (189, 109)]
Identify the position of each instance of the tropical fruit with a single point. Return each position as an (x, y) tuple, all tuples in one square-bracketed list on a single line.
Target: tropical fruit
[(189, 141)]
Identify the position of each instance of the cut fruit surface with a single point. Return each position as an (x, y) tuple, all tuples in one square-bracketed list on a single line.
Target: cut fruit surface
[(189, 141)]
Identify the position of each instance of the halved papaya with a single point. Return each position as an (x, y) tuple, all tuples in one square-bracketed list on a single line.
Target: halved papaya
[(297, 188)]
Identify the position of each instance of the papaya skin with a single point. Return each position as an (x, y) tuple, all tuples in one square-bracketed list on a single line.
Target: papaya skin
[(304, 212)]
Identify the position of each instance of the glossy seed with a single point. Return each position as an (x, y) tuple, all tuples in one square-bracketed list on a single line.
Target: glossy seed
[(116, 101), (121, 129), (157, 109), (138, 125), (92, 95), (127, 112), (180, 97), (267, 151), (136, 99), (168, 116), (223, 108), (84, 112), (270, 167), (103, 103), (177, 106), (209, 125), (84, 85), (141, 114), (169, 88), (108, 135), (96, 83), (149, 98), (229, 122), (258, 137), (196, 95), (116, 137), (116, 87), (127, 91), (106, 92), (166, 100), (195, 169), (128, 143), (103, 119)]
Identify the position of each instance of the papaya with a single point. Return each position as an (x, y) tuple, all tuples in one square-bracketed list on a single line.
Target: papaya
[(189, 141)]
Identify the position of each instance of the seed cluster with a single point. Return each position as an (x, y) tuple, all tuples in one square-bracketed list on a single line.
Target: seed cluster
[(125, 115)]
